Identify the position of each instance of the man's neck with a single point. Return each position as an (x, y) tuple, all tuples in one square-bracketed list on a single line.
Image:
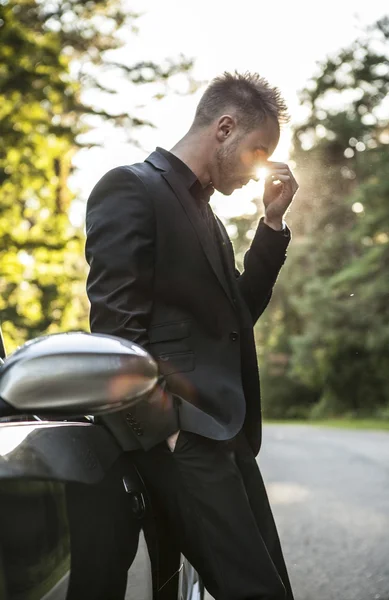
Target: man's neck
[(192, 150)]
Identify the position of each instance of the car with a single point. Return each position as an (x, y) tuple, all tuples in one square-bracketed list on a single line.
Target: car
[(72, 504)]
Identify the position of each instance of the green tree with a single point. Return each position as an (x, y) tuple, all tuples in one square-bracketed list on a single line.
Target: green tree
[(342, 350), (50, 53)]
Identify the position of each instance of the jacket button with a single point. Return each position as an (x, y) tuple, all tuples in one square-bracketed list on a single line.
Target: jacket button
[(234, 335)]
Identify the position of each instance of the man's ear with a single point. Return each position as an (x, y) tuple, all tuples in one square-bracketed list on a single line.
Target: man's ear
[(225, 126)]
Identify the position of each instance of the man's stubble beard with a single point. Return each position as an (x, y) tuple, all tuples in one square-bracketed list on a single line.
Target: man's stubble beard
[(226, 164)]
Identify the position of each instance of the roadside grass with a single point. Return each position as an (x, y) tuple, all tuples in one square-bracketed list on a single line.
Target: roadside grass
[(342, 423)]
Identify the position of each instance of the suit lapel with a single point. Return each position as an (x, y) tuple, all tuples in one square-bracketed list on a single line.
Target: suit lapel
[(202, 233), (188, 203), (229, 263), (228, 255)]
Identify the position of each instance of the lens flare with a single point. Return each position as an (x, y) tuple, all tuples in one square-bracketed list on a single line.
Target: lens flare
[(262, 173)]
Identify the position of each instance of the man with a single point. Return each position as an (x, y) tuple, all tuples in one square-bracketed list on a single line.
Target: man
[(162, 274)]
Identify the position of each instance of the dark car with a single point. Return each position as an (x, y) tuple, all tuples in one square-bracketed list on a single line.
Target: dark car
[(72, 505)]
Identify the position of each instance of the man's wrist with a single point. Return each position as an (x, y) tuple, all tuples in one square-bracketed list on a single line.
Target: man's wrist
[(278, 225)]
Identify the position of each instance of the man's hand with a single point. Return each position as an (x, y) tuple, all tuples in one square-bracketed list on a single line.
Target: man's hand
[(172, 440), (280, 188)]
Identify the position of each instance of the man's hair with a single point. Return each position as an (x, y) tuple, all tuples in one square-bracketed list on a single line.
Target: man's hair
[(251, 97)]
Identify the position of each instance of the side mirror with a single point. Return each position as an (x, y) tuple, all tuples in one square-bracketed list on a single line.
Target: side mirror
[(76, 374)]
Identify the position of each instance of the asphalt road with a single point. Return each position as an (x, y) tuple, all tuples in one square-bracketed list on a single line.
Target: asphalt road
[(329, 489)]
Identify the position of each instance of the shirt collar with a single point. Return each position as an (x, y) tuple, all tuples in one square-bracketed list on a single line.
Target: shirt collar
[(192, 183)]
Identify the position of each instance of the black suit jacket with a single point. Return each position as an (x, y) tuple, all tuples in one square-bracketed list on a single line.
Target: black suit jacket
[(157, 278)]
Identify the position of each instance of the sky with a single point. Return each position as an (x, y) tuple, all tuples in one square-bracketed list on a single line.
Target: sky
[(282, 41)]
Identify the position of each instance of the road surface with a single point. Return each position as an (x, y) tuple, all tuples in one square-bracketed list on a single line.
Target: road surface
[(329, 489)]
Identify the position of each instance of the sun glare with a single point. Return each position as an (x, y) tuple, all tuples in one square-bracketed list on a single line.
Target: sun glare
[(262, 173)]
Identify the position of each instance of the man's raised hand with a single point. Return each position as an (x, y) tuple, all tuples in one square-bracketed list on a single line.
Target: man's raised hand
[(280, 188)]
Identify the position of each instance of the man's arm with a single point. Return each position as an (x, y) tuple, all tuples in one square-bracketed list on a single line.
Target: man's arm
[(262, 264), (267, 253), (120, 251)]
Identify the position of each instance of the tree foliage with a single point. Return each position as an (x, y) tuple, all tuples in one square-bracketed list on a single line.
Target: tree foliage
[(51, 53)]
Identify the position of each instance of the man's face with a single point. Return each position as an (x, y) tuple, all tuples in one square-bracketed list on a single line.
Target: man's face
[(239, 155)]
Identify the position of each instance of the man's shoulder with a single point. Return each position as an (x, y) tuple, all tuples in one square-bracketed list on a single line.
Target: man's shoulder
[(139, 169), (140, 175)]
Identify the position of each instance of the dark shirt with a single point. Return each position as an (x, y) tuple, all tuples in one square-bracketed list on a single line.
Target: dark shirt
[(200, 194)]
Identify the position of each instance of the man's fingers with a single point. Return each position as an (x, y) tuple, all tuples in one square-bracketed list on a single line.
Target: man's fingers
[(273, 163), (278, 177), (274, 166), (274, 181), (280, 172)]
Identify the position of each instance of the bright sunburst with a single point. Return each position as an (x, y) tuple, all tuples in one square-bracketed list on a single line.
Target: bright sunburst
[(262, 173)]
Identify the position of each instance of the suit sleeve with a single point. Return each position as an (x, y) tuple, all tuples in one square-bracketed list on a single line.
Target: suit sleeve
[(262, 264), (120, 231)]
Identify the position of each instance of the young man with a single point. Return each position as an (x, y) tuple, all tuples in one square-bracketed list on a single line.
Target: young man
[(162, 274)]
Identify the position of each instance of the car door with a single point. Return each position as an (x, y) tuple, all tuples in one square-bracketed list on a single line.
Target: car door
[(71, 510)]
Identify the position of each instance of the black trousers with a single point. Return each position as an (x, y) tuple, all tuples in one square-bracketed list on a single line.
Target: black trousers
[(216, 507)]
